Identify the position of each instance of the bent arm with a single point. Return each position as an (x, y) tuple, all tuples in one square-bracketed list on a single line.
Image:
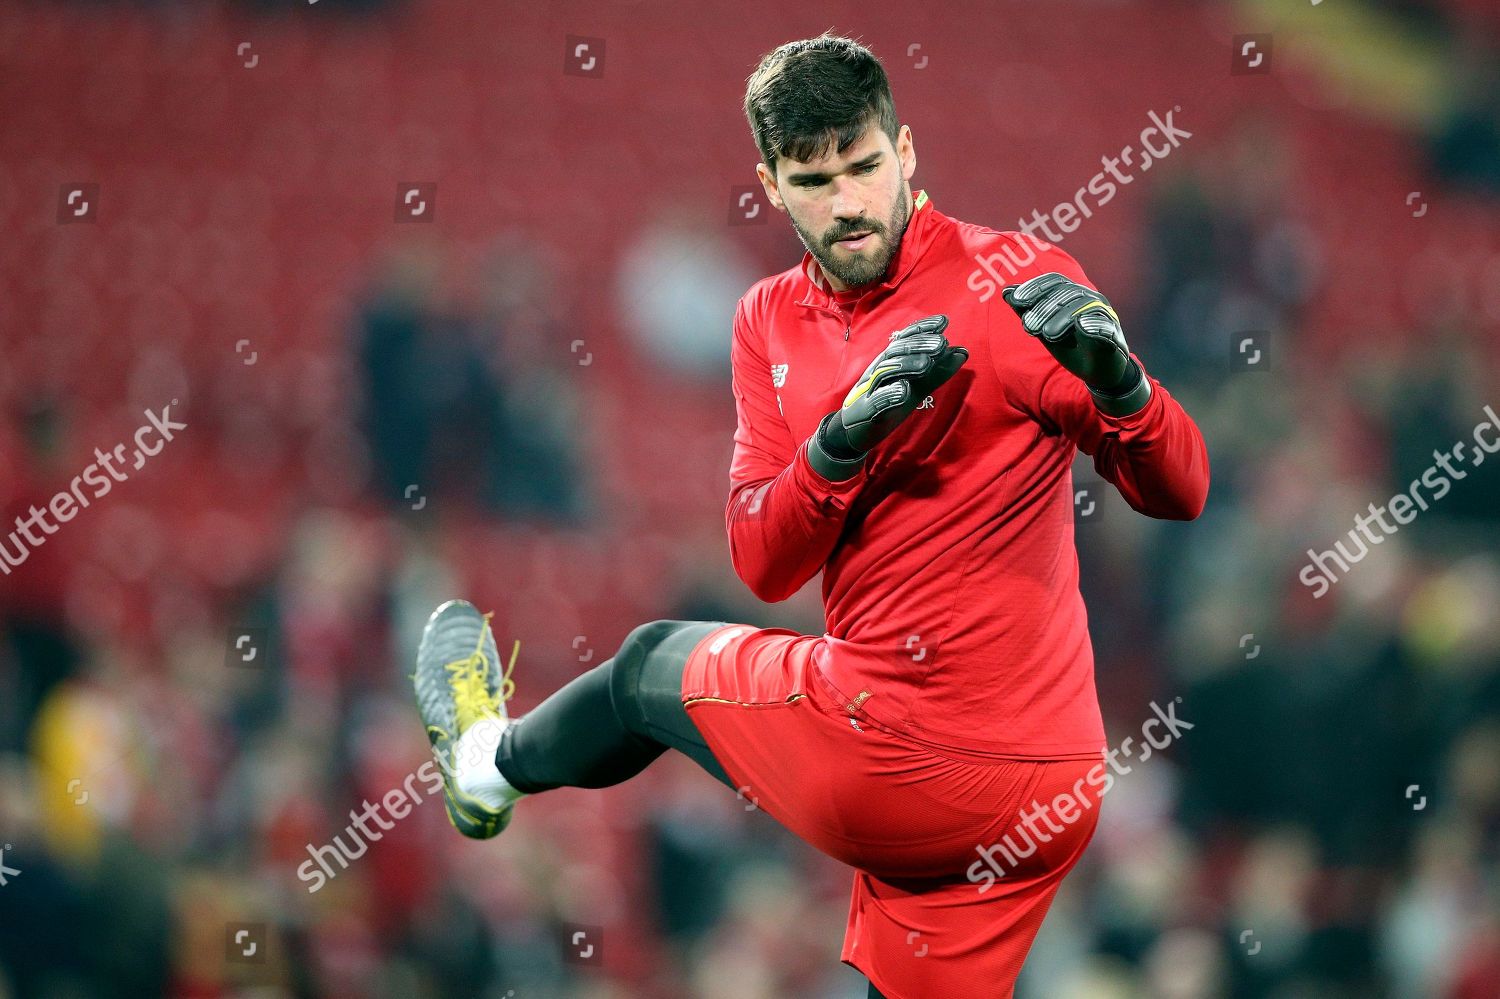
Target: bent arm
[(1156, 457), (783, 517)]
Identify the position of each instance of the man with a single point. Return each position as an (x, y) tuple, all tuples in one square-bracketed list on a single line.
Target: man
[(951, 703)]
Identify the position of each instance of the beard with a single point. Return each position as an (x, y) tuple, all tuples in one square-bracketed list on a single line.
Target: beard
[(855, 269)]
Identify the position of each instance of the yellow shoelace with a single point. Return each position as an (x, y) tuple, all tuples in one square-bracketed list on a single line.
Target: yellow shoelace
[(472, 699)]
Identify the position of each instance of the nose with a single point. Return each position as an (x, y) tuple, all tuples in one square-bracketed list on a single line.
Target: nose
[(846, 205)]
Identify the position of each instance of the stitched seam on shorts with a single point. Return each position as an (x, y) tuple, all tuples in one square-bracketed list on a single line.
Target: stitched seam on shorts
[(983, 760), (748, 704), (942, 751)]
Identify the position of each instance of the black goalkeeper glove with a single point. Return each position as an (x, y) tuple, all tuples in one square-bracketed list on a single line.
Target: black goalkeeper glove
[(1080, 328), (915, 363)]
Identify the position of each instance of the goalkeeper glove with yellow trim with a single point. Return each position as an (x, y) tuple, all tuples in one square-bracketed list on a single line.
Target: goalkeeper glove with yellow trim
[(917, 360), (1081, 330)]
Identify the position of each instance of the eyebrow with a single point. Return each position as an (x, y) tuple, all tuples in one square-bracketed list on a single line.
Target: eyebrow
[(797, 178)]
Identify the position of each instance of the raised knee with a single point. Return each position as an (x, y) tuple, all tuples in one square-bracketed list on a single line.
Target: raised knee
[(630, 660), (633, 653), (642, 639)]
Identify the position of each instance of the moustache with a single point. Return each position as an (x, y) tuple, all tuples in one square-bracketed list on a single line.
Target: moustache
[(871, 230)]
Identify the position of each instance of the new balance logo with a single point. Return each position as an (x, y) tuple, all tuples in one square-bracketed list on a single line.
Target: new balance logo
[(778, 375)]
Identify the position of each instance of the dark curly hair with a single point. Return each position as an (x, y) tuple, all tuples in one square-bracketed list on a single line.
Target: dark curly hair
[(806, 95)]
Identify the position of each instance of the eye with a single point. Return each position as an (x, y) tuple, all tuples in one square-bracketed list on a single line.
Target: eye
[(868, 168)]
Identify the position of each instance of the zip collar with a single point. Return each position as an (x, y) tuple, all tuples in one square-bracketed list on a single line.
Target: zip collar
[(918, 234)]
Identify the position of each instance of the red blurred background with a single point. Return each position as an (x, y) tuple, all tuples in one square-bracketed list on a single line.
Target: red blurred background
[(521, 396)]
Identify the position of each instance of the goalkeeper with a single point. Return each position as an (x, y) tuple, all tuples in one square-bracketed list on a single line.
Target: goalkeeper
[(906, 429)]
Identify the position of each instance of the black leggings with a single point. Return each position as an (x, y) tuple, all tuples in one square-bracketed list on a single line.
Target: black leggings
[(609, 724)]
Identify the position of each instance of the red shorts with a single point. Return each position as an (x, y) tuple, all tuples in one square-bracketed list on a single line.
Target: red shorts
[(957, 856)]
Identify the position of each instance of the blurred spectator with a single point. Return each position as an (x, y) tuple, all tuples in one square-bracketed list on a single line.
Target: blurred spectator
[(525, 337), (467, 407), (395, 345), (1466, 149), (37, 650), (677, 288)]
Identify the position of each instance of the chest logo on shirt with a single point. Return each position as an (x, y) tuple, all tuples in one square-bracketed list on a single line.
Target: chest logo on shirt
[(778, 374)]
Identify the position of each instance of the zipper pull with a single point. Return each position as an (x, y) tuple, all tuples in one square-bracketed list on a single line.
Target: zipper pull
[(846, 333)]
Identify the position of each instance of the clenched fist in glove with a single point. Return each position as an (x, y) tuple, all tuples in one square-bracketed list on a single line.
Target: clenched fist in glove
[(915, 363), (1080, 328)]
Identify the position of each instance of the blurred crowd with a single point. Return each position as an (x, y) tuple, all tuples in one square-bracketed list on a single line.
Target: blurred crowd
[(174, 745)]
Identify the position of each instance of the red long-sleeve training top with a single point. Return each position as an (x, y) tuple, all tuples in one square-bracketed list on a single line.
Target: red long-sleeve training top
[(950, 578)]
